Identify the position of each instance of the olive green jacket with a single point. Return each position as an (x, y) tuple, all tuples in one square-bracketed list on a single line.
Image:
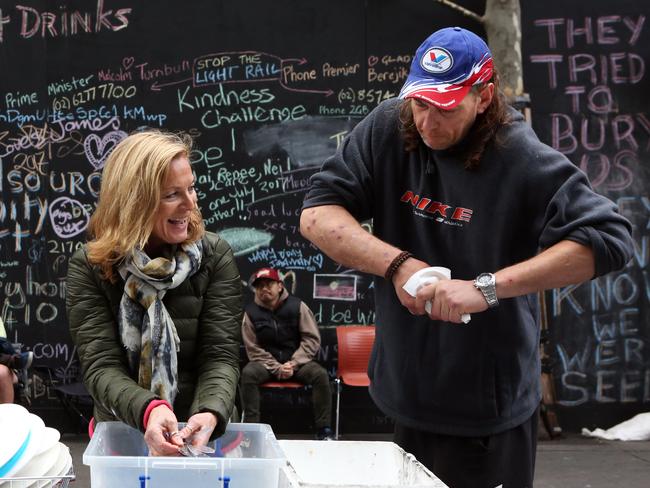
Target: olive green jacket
[(207, 312)]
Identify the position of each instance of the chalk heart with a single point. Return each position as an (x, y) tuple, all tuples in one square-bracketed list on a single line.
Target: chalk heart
[(97, 150), (127, 63), (373, 60)]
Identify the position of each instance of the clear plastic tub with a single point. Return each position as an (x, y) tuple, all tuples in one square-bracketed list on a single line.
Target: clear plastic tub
[(247, 456), (352, 464)]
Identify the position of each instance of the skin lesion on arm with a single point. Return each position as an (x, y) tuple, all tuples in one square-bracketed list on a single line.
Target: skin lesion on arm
[(338, 234)]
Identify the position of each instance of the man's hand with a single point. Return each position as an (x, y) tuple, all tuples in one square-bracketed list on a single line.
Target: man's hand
[(450, 299), (401, 276), (199, 428), (162, 436), (285, 371)]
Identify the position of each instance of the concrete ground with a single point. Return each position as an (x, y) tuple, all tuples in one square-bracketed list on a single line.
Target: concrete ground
[(579, 462), (570, 462)]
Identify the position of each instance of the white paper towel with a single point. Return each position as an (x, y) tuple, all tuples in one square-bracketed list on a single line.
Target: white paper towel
[(635, 429), (428, 276)]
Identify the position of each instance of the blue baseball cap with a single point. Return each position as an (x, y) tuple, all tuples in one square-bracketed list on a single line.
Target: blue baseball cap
[(446, 66)]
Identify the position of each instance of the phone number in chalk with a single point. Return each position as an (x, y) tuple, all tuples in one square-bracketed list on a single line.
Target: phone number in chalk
[(105, 91), (364, 96)]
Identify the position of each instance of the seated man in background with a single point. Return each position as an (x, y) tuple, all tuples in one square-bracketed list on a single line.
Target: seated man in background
[(281, 338)]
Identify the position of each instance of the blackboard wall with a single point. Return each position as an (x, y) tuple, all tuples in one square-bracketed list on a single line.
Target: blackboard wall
[(586, 66), (268, 89)]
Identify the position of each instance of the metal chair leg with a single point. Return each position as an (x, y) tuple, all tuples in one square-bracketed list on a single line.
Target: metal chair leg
[(338, 404)]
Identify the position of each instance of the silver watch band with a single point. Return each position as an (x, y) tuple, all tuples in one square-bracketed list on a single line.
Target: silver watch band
[(490, 295), (486, 284)]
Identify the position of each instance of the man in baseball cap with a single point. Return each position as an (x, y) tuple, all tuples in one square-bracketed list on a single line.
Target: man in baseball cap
[(451, 176), (446, 66), (266, 274), (281, 339), (451, 96)]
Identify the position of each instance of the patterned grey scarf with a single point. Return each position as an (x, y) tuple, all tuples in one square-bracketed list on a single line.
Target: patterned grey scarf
[(146, 329)]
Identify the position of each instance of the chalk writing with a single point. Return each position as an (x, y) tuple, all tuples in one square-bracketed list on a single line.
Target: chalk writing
[(288, 259), (64, 24), (584, 78), (68, 217), (591, 69)]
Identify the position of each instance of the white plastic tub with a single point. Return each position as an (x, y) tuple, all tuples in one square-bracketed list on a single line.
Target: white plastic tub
[(250, 458), (352, 464)]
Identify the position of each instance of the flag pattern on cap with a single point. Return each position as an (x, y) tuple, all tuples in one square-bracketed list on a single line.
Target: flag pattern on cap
[(481, 72)]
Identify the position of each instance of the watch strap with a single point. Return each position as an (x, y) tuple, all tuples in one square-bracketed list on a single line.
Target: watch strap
[(488, 290)]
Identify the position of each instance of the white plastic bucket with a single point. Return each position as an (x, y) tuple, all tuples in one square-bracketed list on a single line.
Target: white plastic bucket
[(352, 464)]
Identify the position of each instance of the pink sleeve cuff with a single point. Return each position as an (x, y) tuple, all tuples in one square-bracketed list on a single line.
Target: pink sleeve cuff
[(91, 427), (153, 404)]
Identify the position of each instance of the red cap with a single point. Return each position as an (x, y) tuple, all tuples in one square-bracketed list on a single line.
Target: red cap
[(264, 273)]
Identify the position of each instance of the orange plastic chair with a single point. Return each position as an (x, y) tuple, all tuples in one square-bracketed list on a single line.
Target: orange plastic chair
[(354, 346)]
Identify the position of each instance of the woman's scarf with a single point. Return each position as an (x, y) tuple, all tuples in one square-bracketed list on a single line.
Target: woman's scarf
[(146, 329)]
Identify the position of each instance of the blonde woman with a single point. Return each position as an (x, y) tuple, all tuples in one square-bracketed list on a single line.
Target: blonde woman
[(154, 301)]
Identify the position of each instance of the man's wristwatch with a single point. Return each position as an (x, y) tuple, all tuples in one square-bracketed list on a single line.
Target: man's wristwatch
[(486, 283)]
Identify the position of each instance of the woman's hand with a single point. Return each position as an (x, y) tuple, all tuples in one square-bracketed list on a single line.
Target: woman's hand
[(199, 428), (162, 434)]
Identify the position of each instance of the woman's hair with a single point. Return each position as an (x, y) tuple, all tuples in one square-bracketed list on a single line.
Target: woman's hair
[(130, 194), (482, 132)]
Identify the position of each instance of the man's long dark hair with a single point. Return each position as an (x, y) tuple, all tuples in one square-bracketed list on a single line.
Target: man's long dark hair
[(480, 135)]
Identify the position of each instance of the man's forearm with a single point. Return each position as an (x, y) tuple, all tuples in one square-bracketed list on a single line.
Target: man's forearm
[(338, 234), (563, 264)]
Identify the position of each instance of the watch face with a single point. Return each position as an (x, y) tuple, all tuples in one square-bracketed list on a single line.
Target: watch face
[(483, 280)]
